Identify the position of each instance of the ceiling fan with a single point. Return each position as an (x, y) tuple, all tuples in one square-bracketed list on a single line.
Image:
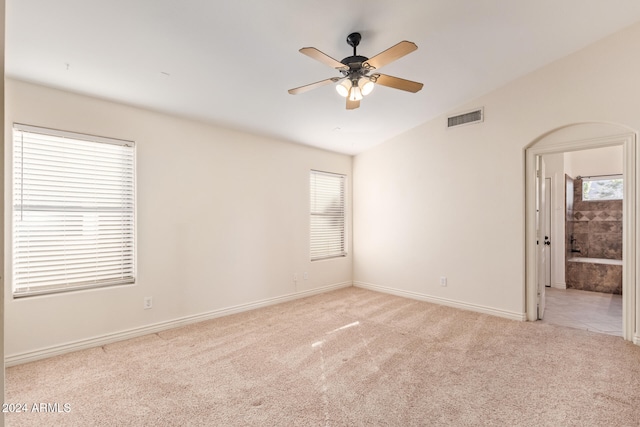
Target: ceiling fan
[(358, 76)]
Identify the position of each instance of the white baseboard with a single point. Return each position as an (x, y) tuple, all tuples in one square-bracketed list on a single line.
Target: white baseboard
[(17, 359), (559, 285), (636, 339), (444, 301)]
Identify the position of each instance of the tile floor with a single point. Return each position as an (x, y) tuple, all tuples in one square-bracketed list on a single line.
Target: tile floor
[(593, 311)]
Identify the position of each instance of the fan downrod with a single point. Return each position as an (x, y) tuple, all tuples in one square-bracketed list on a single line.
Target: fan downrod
[(353, 40), (354, 62)]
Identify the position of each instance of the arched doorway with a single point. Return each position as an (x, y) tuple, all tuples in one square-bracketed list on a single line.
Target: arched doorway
[(573, 138)]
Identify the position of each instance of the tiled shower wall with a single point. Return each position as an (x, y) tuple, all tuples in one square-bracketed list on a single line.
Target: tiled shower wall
[(568, 209), (596, 228)]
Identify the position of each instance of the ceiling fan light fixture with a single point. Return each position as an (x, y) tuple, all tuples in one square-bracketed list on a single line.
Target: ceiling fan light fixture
[(355, 82), (343, 88), (355, 94), (366, 85)]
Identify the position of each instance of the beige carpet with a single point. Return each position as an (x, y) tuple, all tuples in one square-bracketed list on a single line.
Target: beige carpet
[(350, 357)]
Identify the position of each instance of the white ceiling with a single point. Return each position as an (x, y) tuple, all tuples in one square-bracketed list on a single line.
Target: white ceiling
[(232, 62)]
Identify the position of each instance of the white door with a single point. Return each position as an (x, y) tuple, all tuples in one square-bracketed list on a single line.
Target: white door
[(547, 231), (541, 237)]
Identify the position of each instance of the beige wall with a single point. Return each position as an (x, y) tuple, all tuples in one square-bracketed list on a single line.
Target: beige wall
[(222, 221), (599, 161), (435, 202)]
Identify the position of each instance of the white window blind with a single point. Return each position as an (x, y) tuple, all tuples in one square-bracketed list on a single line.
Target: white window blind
[(327, 215), (73, 211)]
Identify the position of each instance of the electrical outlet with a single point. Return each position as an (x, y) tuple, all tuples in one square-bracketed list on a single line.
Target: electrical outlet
[(443, 281), (306, 276), (148, 302)]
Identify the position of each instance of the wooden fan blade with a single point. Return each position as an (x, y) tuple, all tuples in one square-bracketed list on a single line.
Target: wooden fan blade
[(394, 52), (314, 53), (308, 87), (352, 105), (396, 83)]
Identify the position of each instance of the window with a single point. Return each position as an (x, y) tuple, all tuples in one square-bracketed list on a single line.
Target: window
[(73, 211), (327, 215), (602, 188)]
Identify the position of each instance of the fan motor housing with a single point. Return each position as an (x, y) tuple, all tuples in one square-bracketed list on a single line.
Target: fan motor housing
[(354, 62)]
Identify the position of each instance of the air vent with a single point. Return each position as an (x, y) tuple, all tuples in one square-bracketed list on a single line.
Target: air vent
[(475, 116)]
